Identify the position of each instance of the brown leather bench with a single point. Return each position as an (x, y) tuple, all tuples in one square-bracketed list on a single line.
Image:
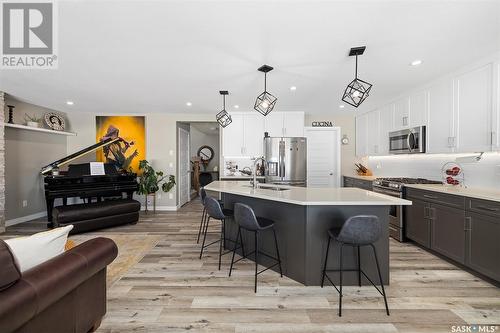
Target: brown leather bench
[(97, 215), (64, 294)]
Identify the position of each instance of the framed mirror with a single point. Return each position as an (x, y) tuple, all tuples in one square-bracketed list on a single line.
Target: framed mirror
[(205, 153)]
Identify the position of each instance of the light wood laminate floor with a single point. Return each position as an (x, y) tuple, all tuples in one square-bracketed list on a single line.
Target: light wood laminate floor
[(171, 290)]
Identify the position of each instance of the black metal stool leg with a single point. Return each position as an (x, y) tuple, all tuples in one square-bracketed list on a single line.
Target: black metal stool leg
[(359, 267), (221, 241), (256, 257), (380, 278), (202, 224), (340, 290), (204, 236), (326, 260), (234, 250), (277, 252), (241, 240)]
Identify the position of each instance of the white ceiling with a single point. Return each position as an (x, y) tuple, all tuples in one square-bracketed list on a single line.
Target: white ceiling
[(154, 56)]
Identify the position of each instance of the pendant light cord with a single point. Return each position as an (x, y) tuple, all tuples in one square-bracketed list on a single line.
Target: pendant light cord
[(224, 102), (356, 74), (265, 81)]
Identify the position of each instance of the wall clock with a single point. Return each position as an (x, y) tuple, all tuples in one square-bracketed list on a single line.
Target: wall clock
[(54, 121)]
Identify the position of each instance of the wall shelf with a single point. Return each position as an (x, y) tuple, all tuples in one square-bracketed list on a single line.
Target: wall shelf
[(38, 129)]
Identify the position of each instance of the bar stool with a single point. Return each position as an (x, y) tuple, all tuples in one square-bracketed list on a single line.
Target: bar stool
[(357, 231), (203, 195), (215, 211), (245, 217)]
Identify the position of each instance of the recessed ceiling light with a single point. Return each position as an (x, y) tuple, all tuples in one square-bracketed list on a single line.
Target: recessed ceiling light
[(189, 103), (416, 62), (293, 88), (341, 106), (236, 106), (69, 102)]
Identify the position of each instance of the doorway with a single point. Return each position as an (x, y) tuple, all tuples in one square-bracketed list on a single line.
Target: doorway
[(323, 156), (184, 166)]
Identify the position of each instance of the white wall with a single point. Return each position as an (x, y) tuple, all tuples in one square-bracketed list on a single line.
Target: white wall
[(161, 142)]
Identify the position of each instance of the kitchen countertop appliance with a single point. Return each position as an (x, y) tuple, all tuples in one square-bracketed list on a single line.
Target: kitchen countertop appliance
[(286, 160), (395, 187)]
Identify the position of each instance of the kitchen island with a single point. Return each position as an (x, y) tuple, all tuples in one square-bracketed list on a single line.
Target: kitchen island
[(302, 218)]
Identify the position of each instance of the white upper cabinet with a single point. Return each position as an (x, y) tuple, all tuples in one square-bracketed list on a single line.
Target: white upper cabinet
[(418, 109), (362, 135), (441, 136), (289, 124), (373, 133), (253, 134), (495, 128), (232, 137), (386, 125), (401, 113), (473, 109)]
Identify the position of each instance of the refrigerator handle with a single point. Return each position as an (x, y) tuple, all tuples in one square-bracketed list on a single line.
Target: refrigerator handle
[(282, 159)]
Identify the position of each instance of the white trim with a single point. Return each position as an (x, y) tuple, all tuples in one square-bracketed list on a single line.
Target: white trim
[(26, 218), (39, 129), (160, 208)]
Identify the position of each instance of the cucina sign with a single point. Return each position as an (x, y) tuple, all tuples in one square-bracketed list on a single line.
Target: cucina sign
[(322, 124)]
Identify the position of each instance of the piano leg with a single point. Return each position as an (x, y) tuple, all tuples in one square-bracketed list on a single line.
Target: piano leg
[(50, 206)]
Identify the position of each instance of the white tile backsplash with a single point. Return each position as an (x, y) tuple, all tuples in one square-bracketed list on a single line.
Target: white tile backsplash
[(485, 173)]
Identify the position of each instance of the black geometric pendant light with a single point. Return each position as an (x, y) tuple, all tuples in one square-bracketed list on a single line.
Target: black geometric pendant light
[(223, 118), (358, 90), (265, 102)]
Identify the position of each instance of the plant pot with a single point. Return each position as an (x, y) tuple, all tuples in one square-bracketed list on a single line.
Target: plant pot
[(33, 124), (153, 197)]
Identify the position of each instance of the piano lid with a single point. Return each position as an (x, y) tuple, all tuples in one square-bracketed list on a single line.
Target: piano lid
[(57, 164)]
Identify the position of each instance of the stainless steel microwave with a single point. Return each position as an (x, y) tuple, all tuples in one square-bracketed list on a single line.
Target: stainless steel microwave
[(407, 141)]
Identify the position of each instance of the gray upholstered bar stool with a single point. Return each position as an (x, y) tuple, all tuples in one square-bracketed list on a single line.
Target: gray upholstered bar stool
[(246, 219), (203, 195), (357, 231), (214, 211)]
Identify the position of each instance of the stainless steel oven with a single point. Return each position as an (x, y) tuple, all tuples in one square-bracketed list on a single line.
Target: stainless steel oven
[(395, 213), (407, 141)]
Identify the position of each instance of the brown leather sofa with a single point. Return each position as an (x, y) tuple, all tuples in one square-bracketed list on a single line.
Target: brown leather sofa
[(65, 294)]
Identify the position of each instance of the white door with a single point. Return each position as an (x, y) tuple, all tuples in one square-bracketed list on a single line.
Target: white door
[(184, 167), (232, 137), (253, 134), (273, 124), (323, 156), (474, 110), (293, 124)]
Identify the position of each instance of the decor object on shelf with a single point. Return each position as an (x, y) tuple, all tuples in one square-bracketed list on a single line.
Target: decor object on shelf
[(344, 140), (362, 170), (206, 154), (54, 121), (453, 174), (11, 114), (32, 121), (129, 149), (223, 117), (150, 181), (265, 102), (358, 90)]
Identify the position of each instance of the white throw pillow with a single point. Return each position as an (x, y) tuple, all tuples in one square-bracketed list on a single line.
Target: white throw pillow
[(35, 249)]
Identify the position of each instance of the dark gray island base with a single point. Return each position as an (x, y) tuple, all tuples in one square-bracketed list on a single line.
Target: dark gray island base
[(302, 237)]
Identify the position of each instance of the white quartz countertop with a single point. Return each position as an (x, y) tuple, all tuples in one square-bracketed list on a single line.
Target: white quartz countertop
[(240, 176), (477, 193), (307, 196)]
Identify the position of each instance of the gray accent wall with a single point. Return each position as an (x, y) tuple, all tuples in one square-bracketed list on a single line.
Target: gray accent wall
[(25, 153)]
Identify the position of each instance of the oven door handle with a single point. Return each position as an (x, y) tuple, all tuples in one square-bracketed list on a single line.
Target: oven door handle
[(408, 141)]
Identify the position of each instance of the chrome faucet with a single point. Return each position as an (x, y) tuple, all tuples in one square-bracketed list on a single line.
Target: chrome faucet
[(255, 184)]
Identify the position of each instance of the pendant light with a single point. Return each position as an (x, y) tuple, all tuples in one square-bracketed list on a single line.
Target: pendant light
[(223, 117), (265, 102), (358, 90)]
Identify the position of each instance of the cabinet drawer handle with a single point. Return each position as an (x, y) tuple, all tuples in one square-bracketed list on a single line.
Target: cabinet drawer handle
[(430, 196), (489, 209)]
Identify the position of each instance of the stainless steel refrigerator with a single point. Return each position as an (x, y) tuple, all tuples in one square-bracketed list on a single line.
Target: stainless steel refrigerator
[(286, 160)]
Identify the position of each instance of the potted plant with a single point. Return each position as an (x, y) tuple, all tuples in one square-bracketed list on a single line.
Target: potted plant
[(32, 120), (150, 181)]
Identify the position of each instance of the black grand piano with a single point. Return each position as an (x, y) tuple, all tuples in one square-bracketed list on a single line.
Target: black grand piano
[(77, 182)]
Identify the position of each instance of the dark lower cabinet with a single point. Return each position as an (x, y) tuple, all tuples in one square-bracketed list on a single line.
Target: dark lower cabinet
[(483, 253), (468, 234), (448, 232), (418, 223)]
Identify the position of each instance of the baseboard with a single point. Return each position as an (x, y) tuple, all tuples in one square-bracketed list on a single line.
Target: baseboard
[(160, 208), (26, 218)]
